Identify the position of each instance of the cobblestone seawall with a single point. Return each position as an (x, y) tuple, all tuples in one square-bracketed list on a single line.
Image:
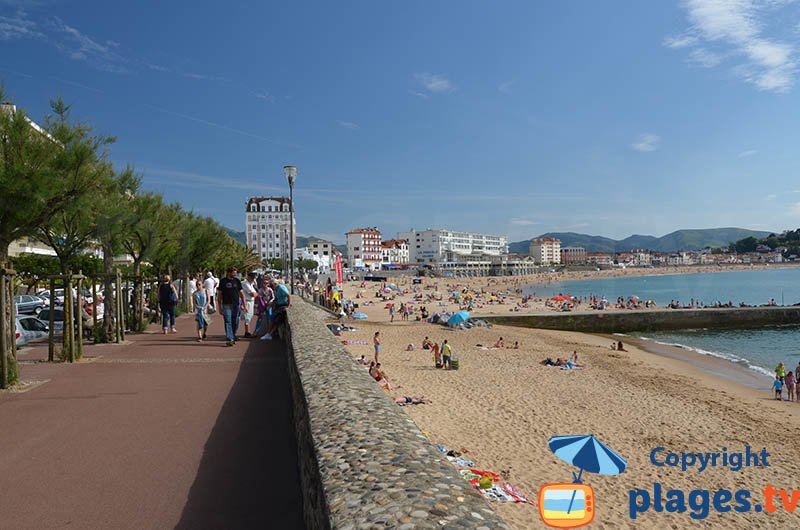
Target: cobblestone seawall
[(637, 320), (364, 463)]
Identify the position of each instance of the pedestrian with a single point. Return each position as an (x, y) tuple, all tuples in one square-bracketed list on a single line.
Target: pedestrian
[(211, 284), (231, 297), (200, 301), (266, 299), (391, 312), (447, 354), (790, 386), (281, 304), (250, 295), (376, 342), (778, 386), (167, 299)]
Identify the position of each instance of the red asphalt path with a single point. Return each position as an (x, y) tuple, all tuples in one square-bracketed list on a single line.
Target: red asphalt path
[(161, 432)]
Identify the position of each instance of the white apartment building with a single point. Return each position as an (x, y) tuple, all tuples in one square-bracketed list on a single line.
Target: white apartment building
[(429, 246), (395, 251), (364, 248), (267, 222), (546, 250)]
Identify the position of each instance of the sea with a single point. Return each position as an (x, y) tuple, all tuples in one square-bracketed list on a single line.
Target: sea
[(759, 349)]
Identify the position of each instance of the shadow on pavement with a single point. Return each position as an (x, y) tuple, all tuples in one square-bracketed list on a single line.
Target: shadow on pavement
[(248, 477)]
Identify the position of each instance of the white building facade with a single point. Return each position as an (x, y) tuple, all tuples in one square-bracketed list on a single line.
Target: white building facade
[(546, 250), (395, 251), (430, 246), (267, 223), (364, 248)]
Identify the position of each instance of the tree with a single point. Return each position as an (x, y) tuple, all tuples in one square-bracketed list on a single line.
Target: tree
[(31, 268), (747, 244)]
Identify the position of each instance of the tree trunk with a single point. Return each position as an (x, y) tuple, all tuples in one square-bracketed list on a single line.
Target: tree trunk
[(109, 305), (138, 297)]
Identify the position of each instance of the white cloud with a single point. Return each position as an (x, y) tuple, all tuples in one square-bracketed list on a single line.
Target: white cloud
[(434, 83), (680, 41), (646, 142), (505, 86), (81, 47), (348, 125), (419, 94), (771, 197), (745, 154), (794, 209), (18, 26), (522, 222), (704, 58), (738, 25)]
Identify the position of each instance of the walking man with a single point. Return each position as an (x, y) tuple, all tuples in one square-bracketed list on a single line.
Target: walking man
[(231, 295), (250, 295), (211, 284)]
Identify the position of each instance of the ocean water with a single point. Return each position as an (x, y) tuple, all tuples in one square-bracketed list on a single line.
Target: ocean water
[(758, 349)]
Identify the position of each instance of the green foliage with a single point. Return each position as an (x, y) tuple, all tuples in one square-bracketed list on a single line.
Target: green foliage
[(306, 264), (789, 239)]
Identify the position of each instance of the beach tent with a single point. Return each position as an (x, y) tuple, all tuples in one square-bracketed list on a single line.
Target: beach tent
[(458, 318), (561, 298)]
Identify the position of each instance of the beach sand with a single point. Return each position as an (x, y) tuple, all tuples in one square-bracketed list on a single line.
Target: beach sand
[(503, 406)]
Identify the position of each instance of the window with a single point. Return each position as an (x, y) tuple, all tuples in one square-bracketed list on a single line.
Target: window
[(253, 208), (262, 208)]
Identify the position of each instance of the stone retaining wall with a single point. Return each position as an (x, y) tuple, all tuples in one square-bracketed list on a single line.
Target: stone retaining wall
[(364, 463), (637, 320)]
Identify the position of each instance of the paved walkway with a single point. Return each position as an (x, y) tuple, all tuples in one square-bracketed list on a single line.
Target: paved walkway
[(161, 432)]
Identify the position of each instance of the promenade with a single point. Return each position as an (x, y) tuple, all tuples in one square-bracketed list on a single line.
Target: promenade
[(159, 432)]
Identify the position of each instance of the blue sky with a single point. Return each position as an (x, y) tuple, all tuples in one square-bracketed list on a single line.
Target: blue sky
[(517, 118)]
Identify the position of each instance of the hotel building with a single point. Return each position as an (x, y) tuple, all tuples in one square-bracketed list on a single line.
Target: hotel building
[(267, 222)]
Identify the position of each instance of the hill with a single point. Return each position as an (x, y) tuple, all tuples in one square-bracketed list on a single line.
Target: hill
[(675, 241), (241, 237), (302, 241)]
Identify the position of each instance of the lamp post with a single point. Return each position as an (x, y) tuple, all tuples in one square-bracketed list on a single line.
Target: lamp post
[(291, 173)]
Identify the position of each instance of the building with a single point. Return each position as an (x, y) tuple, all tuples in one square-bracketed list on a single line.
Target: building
[(364, 248), (322, 252), (267, 223), (573, 255), (599, 259), (546, 250), (395, 251), (430, 246)]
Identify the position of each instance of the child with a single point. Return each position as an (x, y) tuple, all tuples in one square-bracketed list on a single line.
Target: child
[(778, 385), (790, 382)]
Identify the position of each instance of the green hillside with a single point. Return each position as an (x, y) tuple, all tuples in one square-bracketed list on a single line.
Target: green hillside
[(673, 242)]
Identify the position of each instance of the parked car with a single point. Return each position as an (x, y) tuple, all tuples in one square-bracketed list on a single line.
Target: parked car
[(58, 321), (30, 329), (27, 304)]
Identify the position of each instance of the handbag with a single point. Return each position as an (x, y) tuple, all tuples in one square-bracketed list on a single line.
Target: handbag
[(173, 296)]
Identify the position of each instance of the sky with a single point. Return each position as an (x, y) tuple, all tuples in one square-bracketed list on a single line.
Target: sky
[(506, 117)]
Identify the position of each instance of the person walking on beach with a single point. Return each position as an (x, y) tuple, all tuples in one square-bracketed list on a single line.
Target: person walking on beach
[(447, 354), (200, 301), (167, 299), (780, 371), (778, 386), (790, 386), (376, 342), (231, 295), (391, 312)]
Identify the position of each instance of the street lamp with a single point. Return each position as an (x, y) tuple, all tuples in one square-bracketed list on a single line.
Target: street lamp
[(291, 173)]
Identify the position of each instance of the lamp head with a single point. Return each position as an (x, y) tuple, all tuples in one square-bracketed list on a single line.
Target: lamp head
[(291, 173)]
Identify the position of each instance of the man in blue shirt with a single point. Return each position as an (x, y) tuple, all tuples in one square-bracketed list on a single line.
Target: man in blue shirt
[(282, 301)]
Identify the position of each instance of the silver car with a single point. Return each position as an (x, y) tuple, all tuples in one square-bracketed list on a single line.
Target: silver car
[(30, 329), (28, 304)]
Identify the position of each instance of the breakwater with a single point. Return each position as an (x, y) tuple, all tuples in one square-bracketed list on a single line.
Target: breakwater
[(662, 320)]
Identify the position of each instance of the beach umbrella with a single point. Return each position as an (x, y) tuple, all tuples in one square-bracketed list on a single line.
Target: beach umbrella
[(587, 453), (359, 316), (458, 318)]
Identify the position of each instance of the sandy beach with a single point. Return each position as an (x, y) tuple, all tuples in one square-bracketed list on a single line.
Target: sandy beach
[(503, 406)]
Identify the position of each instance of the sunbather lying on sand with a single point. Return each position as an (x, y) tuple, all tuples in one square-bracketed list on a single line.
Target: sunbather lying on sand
[(410, 400)]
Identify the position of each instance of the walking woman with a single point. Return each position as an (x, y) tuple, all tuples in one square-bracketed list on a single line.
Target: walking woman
[(200, 299), (167, 299)]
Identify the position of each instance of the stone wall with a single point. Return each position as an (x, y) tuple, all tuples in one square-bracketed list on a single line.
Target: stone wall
[(364, 463), (642, 320)]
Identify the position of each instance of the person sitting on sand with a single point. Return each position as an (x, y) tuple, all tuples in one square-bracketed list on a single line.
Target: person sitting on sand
[(427, 344), (790, 386), (499, 343), (778, 386), (363, 360), (614, 346), (411, 400), (620, 347), (574, 357), (514, 347)]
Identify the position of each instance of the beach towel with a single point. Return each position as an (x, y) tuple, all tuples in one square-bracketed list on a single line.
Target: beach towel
[(354, 342), (516, 493), (460, 461), (495, 493)]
